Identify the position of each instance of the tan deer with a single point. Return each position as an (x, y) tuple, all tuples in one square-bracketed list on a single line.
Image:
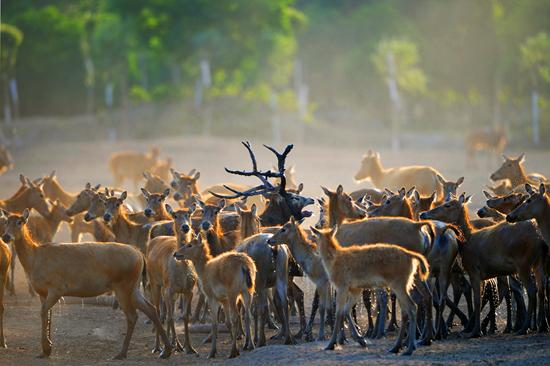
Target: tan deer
[(169, 277), (354, 268), (536, 206), (424, 178), (493, 140), (225, 280), (43, 229), (305, 253), (498, 250), (6, 160), (155, 208), (92, 268), (5, 260), (131, 165), (506, 203), (513, 170)]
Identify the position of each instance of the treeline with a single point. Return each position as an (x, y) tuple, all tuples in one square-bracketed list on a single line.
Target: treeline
[(455, 63)]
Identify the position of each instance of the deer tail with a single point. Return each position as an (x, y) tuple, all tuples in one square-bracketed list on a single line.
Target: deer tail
[(248, 277), (423, 266)]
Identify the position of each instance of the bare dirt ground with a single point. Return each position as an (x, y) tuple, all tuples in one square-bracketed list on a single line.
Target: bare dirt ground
[(90, 334)]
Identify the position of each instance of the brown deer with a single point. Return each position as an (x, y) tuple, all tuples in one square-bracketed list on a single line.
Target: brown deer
[(424, 178), (513, 170), (498, 250), (490, 213), (505, 204), (225, 280), (354, 268), (420, 204), (5, 260), (169, 277), (450, 188), (92, 268), (536, 206), (131, 165), (492, 140), (155, 209), (43, 229), (6, 160), (305, 253)]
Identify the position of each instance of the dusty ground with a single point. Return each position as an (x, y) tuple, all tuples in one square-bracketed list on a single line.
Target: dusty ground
[(85, 335)]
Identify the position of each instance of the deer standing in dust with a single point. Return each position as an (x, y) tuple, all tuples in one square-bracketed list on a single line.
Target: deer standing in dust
[(353, 268), (225, 280), (131, 165), (169, 277), (424, 178), (493, 141), (93, 269), (513, 170), (502, 249)]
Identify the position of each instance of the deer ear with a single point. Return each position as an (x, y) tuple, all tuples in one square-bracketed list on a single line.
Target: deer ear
[(529, 188), (174, 173), (402, 192), (542, 189), (333, 231), (147, 175), (253, 209), (25, 214), (191, 172), (97, 187), (339, 189), (166, 192), (411, 191), (145, 193), (459, 181), (221, 204), (521, 158), (52, 174), (487, 194), (327, 191), (88, 185), (461, 198), (300, 188), (123, 196), (505, 157), (192, 207), (22, 179), (417, 195), (169, 209), (197, 176), (440, 179)]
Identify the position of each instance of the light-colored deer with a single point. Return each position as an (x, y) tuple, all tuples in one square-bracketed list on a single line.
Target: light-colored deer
[(424, 178), (513, 170), (169, 277), (354, 268), (43, 229), (162, 169), (305, 253), (92, 268), (225, 280), (131, 165)]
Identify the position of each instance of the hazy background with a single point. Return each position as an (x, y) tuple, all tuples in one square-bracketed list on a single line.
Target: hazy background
[(318, 69)]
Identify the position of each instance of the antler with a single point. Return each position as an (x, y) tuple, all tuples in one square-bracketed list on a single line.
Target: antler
[(263, 176)]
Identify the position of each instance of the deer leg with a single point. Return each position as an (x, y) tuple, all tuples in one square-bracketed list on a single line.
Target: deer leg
[(200, 303), (262, 310), (382, 299), (47, 303), (247, 304), (339, 323), (169, 301), (187, 299), (476, 287), (323, 290), (298, 296), (393, 320), (540, 280), (352, 325), (155, 299), (368, 305), (12, 271), (214, 307), (314, 307)]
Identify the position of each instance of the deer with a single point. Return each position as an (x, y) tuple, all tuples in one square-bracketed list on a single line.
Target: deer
[(356, 267), (502, 249), (424, 178), (31, 196), (305, 253), (5, 260), (224, 280), (506, 203), (501, 188), (513, 170), (43, 229), (487, 212), (155, 209), (415, 236), (536, 206), (169, 277), (492, 140), (6, 160), (450, 188), (131, 165), (93, 269)]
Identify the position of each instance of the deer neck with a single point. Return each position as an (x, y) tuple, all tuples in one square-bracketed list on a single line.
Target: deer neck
[(162, 214), (335, 215), (200, 262), (181, 237), (248, 230), (65, 197), (25, 248), (301, 250), (213, 239), (519, 177), (124, 229), (53, 223), (378, 174), (16, 203), (464, 224)]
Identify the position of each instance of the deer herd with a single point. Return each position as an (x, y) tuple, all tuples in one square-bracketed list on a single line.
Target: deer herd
[(237, 249)]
